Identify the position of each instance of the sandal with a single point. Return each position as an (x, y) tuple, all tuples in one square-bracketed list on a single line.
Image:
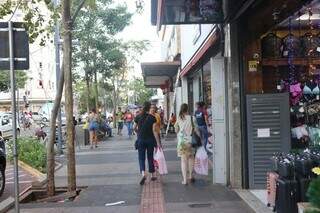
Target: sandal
[(143, 180)]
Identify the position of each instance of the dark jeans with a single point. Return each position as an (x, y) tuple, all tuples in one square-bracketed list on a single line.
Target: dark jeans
[(120, 125), (143, 147), (204, 135), (130, 128)]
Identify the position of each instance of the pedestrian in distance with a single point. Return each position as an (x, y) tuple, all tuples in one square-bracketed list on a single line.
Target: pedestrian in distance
[(93, 119), (148, 138), (201, 116), (119, 116), (184, 128), (128, 118)]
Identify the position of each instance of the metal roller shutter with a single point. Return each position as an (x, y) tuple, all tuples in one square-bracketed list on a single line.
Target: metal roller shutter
[(268, 131)]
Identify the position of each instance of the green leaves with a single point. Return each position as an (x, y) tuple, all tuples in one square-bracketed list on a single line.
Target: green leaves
[(314, 193), (140, 92), (31, 152), (35, 17), (6, 8), (21, 78)]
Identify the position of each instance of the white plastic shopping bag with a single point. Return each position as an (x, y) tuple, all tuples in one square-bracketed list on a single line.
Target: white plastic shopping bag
[(201, 161), (161, 161)]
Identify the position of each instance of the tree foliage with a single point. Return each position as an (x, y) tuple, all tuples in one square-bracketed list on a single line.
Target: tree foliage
[(35, 17), (141, 93), (21, 79), (99, 51)]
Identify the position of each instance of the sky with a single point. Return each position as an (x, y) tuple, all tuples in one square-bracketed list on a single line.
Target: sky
[(141, 29)]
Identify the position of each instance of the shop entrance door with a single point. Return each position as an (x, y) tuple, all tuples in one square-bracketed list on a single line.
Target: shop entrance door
[(268, 131)]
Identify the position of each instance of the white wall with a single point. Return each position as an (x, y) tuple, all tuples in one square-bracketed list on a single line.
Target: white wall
[(188, 34), (178, 99), (196, 91), (45, 55), (219, 120), (184, 90)]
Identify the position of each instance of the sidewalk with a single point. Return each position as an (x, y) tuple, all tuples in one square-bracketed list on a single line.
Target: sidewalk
[(110, 174)]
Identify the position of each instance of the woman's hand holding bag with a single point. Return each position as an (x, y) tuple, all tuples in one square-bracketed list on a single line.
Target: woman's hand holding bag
[(201, 162), (160, 161)]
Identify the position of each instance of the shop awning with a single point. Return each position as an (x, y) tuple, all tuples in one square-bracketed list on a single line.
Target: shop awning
[(156, 74)]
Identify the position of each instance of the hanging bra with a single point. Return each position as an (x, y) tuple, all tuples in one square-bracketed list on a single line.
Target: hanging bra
[(308, 91), (295, 89), (299, 132), (296, 93)]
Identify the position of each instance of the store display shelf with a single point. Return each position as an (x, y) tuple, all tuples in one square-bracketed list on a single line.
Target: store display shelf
[(296, 61)]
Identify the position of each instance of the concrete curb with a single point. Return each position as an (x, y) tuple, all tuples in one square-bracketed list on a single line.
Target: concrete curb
[(6, 204), (31, 170), (252, 201), (42, 179)]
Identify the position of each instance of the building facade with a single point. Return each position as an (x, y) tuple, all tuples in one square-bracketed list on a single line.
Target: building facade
[(225, 65), (40, 87)]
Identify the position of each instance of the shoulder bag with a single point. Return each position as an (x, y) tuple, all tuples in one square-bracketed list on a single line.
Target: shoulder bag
[(196, 140)]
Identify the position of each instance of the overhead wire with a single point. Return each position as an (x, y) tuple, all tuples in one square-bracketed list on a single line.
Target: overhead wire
[(15, 10)]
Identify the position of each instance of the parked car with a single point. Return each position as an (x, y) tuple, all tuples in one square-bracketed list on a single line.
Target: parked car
[(36, 116), (3, 164), (6, 125)]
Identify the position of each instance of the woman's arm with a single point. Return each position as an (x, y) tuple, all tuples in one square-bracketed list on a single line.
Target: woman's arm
[(156, 135), (135, 127), (176, 126)]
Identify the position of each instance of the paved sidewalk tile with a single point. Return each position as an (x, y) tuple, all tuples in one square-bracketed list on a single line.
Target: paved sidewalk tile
[(152, 200)]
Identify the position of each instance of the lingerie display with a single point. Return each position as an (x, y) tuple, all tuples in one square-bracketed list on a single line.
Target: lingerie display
[(293, 59), (310, 45), (304, 111), (307, 45), (305, 115)]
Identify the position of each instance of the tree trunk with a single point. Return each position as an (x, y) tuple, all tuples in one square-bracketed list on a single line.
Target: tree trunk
[(87, 93), (115, 108), (52, 138), (96, 94), (67, 42)]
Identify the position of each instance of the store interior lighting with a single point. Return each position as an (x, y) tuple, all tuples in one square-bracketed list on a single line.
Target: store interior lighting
[(306, 17)]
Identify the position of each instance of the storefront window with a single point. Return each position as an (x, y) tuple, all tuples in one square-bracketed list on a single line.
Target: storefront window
[(286, 60)]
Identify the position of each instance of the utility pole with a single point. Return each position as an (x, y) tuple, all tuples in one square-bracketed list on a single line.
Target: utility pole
[(14, 116), (58, 72)]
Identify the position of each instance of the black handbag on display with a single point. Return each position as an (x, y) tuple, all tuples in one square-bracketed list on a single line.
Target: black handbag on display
[(310, 45), (286, 196), (271, 46), (291, 45), (303, 167), (303, 188), (286, 170)]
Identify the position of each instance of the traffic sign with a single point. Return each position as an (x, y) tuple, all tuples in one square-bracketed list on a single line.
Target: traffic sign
[(20, 46)]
